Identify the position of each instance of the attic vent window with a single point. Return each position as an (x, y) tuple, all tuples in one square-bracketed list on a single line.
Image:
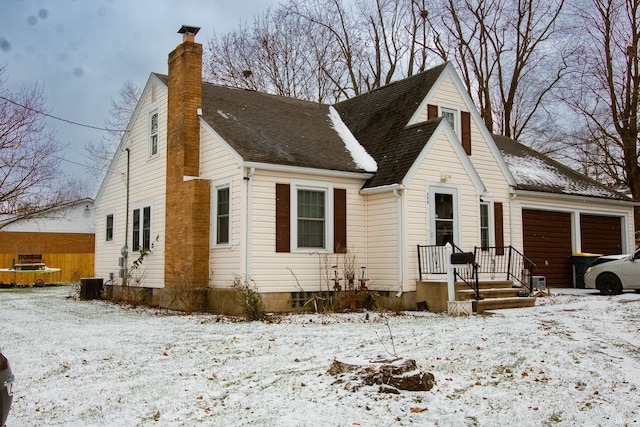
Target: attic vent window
[(450, 117)]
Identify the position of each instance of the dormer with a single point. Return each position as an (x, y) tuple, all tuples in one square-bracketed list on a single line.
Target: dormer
[(458, 120)]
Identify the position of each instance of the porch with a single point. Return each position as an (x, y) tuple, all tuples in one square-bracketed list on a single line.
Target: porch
[(491, 278)]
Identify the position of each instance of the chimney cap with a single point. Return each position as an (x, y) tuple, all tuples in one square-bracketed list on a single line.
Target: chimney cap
[(188, 30)]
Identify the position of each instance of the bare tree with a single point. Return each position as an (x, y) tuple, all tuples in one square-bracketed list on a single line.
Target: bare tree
[(279, 54), (507, 52), (323, 50), (605, 91), (122, 107), (30, 177)]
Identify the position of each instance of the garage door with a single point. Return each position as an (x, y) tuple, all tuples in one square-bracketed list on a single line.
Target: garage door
[(547, 242), (601, 234)]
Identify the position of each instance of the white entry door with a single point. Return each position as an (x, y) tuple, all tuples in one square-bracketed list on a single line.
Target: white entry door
[(443, 213)]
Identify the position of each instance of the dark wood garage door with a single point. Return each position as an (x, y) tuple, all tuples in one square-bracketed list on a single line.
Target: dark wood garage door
[(547, 242), (601, 234)]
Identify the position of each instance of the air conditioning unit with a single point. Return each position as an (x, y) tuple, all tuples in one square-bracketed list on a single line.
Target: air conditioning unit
[(539, 282)]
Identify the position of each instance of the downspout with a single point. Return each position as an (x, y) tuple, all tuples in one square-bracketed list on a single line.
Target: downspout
[(400, 245), (125, 249), (247, 273), (513, 196)]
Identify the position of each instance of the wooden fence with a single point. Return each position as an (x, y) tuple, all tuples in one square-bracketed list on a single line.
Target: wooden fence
[(72, 267)]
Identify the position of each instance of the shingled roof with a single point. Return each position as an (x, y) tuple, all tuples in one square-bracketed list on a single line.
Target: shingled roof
[(378, 120), (285, 131), (536, 172), (273, 129)]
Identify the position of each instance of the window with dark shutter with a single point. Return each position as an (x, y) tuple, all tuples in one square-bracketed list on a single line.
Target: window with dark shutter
[(283, 223), (432, 112), (311, 213), (499, 228), (340, 220), (465, 127)]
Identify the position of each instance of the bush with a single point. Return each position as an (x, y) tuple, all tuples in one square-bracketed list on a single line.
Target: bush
[(249, 299)]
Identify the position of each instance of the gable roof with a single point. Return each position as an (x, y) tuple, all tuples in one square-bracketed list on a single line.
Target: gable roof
[(265, 128), (534, 171), (378, 120)]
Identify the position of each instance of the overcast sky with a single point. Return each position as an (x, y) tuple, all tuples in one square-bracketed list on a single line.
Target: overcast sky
[(82, 51)]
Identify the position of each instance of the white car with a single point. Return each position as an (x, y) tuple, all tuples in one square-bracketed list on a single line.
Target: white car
[(611, 274)]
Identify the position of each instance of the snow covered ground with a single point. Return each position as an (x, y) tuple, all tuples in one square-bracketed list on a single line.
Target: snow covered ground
[(573, 360)]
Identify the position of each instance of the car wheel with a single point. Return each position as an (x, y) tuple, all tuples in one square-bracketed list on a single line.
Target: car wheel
[(609, 284)]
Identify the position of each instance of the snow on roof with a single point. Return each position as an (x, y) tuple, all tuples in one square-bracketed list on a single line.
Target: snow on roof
[(360, 156), (533, 171)]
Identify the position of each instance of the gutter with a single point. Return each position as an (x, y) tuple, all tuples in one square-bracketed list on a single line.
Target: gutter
[(577, 198)]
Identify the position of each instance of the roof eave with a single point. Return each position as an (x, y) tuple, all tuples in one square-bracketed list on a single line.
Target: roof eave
[(575, 197), (307, 171)]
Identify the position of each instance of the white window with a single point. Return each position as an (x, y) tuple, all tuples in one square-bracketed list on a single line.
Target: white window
[(487, 227), (484, 226), (221, 215), (153, 134), (311, 218), (109, 228), (141, 231), (445, 216), (452, 115), (312, 215)]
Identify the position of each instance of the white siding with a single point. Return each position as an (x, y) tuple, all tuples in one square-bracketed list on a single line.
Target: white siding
[(416, 204), (74, 218), (147, 183), (274, 272), (481, 157), (383, 240), (217, 164)]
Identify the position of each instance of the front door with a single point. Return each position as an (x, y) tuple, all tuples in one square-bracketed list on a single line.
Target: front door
[(444, 218)]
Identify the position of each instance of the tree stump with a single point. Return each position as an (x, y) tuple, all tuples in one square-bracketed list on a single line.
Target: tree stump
[(390, 373)]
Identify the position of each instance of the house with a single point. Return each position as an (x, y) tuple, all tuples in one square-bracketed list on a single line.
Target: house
[(64, 236), (213, 184)]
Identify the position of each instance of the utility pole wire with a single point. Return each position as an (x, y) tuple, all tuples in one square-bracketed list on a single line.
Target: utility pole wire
[(60, 118)]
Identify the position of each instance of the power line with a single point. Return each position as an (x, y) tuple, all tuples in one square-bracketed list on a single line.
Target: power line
[(59, 118)]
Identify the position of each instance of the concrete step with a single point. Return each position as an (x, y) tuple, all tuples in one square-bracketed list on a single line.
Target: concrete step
[(485, 305), (487, 284), (485, 293)]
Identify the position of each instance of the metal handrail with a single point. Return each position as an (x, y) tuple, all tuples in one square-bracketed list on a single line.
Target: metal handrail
[(494, 260), (432, 259), (470, 279)]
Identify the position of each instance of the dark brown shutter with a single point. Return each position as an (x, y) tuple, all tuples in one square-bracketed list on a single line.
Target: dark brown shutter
[(432, 112), (283, 224), (498, 218), (339, 220), (465, 116)]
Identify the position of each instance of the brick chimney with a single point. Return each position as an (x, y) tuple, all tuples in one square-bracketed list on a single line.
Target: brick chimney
[(187, 197)]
